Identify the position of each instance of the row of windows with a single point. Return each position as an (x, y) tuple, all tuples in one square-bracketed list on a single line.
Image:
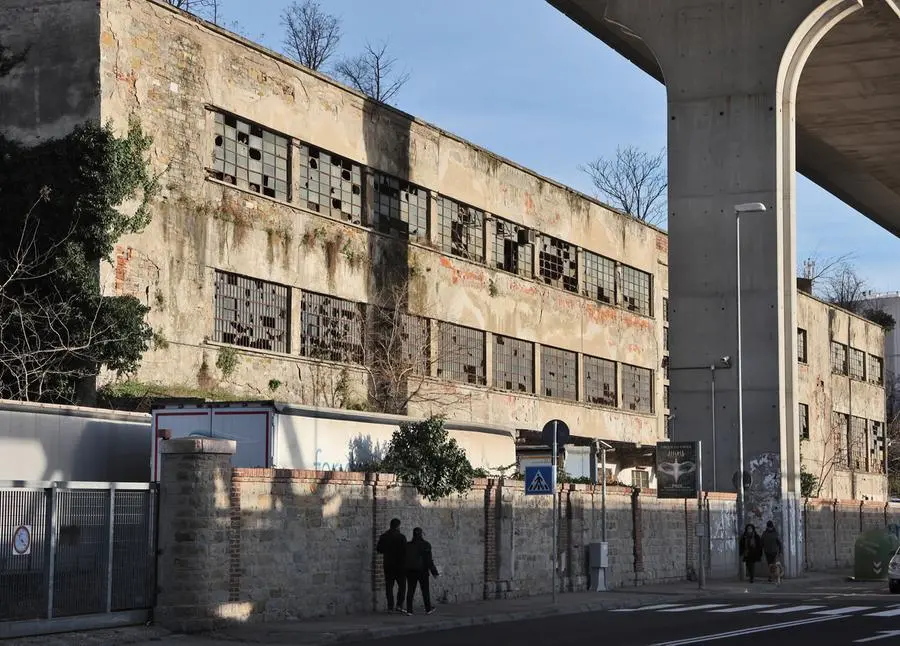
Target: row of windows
[(856, 443), (254, 313), (257, 159), (845, 360)]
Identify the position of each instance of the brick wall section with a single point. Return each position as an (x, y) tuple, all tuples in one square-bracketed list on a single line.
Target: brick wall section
[(264, 544)]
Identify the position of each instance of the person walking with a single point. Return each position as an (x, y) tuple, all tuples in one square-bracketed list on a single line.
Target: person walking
[(751, 550), (419, 564), (392, 546), (771, 543)]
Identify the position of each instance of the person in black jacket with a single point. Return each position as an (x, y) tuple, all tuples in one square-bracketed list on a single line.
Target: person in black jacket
[(751, 550), (392, 547), (419, 564)]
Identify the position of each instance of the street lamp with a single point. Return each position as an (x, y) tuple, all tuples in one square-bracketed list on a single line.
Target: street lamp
[(741, 209)]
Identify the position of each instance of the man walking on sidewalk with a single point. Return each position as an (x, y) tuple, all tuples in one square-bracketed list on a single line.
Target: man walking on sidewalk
[(392, 547), (771, 543), (419, 564)]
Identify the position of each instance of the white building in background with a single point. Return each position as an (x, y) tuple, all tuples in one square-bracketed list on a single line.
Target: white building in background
[(890, 303)]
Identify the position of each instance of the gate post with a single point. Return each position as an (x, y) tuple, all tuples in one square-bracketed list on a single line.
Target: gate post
[(194, 522)]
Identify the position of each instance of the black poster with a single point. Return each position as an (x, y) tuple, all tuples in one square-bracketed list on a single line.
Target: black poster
[(677, 470)]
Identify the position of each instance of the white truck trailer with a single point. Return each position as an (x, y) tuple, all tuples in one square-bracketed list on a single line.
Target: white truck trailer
[(288, 436)]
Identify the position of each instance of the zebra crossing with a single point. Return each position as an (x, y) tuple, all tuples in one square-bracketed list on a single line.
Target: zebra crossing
[(776, 609)]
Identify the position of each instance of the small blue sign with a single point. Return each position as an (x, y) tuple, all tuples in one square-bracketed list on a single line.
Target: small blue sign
[(539, 481)]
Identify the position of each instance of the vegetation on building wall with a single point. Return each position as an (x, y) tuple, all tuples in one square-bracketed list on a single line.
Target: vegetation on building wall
[(61, 218)]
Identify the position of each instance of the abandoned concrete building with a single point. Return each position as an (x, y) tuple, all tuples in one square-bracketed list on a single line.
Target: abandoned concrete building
[(315, 246)]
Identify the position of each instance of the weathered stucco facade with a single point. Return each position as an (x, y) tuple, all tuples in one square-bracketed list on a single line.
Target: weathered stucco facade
[(296, 216), (841, 401)]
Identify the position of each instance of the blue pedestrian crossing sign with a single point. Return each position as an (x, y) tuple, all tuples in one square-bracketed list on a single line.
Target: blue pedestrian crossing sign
[(539, 481)]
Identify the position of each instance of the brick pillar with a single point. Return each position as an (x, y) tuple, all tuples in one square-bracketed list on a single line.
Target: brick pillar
[(194, 542)]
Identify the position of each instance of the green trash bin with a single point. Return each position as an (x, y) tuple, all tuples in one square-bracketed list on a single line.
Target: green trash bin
[(872, 554)]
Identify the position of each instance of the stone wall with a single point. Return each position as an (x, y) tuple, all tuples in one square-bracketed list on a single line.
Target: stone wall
[(267, 544)]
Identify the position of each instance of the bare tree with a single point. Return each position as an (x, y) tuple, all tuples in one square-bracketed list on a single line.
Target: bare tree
[(844, 287), (373, 73), (311, 35), (208, 9), (634, 182), (817, 267)]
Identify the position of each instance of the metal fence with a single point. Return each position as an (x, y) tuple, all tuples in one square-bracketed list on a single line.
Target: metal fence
[(75, 549)]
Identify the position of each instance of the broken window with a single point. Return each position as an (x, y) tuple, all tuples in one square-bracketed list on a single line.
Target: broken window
[(460, 229), (838, 358), (804, 421), (558, 263), (399, 206), (600, 381), (640, 478), (513, 248), (416, 342), (252, 313), (331, 329), (665, 396), (839, 440), (636, 290), (665, 338), (665, 309), (400, 343), (859, 454), (461, 354), (637, 389), (857, 363), (876, 447), (252, 157), (876, 370), (513, 364), (599, 278), (559, 373), (331, 184), (801, 345)]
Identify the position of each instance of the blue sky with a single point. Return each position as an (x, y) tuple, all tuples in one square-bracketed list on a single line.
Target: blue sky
[(521, 79)]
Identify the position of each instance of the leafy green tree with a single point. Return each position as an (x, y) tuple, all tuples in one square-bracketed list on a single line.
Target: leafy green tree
[(423, 454), (61, 216)]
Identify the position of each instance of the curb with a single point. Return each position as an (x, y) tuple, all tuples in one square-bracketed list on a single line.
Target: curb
[(366, 634)]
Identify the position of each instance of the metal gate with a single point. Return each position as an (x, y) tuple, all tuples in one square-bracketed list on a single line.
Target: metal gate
[(76, 555)]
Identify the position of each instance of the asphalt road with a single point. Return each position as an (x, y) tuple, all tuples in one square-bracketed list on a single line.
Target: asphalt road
[(820, 617)]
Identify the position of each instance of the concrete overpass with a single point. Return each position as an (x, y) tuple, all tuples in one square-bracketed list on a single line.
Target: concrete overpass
[(757, 89)]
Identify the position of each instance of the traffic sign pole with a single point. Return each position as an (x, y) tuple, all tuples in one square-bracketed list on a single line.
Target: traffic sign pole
[(555, 512)]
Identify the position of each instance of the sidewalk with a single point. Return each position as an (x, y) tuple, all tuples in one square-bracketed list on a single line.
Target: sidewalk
[(334, 630)]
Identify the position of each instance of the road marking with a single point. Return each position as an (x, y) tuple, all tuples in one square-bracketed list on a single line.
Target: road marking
[(746, 608), (746, 631), (705, 606), (882, 634), (656, 607), (842, 611), (784, 611), (893, 612)]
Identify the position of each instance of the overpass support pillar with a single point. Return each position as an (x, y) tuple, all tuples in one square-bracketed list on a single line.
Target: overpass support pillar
[(731, 70)]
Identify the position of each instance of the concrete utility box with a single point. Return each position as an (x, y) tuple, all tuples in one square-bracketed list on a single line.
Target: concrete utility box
[(598, 558), (872, 554)]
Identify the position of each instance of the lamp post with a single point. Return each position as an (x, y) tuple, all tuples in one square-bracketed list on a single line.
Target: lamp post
[(741, 209)]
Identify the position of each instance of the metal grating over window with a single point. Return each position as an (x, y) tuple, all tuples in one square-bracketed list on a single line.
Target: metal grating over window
[(801, 345), (665, 396), (859, 454), (558, 263), (332, 329), (252, 157), (399, 206), (599, 278), (637, 389), (665, 338), (665, 309), (461, 354), (416, 343), (559, 373), (460, 229), (600, 381), (252, 313), (804, 421), (876, 447), (636, 290), (513, 248), (876, 370), (838, 358), (331, 184), (839, 429), (513, 364), (640, 478), (857, 362)]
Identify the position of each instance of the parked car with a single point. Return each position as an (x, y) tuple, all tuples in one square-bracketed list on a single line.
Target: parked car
[(894, 572)]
